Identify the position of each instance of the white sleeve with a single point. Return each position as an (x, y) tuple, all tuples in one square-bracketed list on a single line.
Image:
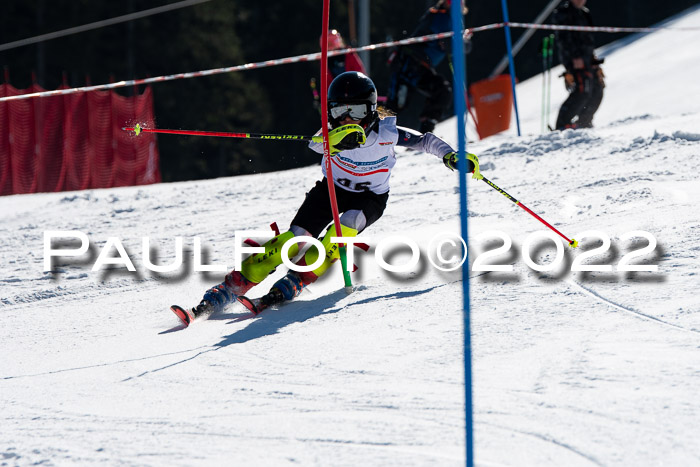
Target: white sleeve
[(427, 142)]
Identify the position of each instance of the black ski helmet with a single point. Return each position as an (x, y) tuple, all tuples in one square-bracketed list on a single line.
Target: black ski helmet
[(353, 87)]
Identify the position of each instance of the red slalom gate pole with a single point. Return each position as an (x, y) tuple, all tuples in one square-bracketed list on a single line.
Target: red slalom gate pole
[(471, 112), (342, 249), (137, 129), (573, 243)]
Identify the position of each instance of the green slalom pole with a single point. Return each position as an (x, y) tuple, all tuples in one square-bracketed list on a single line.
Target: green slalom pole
[(550, 59), (545, 42)]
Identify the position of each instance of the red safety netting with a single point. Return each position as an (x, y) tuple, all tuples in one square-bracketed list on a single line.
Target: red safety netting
[(5, 167), (77, 152), (75, 142)]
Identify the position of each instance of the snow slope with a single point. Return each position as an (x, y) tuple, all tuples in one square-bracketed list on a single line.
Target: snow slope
[(596, 368)]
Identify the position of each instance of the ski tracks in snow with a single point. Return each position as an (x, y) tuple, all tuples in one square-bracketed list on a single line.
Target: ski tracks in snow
[(626, 309), (551, 441)]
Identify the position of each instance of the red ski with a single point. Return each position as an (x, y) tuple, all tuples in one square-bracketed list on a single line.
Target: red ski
[(186, 316), (255, 305)]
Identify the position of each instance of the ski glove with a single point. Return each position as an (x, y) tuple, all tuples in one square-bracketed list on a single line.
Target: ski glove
[(346, 137), (450, 160)]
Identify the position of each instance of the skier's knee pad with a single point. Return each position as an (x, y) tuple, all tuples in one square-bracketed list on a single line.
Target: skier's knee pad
[(355, 219), (257, 267), (330, 249)]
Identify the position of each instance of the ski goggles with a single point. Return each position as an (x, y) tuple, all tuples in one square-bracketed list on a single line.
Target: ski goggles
[(355, 111)]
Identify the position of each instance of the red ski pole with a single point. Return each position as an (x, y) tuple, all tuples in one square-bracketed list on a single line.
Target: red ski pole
[(138, 129), (572, 242)]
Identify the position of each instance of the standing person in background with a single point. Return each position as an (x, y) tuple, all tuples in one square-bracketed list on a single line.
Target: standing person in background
[(583, 77), (337, 64), (413, 68)]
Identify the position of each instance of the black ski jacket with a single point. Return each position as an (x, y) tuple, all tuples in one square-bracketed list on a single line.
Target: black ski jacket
[(574, 44)]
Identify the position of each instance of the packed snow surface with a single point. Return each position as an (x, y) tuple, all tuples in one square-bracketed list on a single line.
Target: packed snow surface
[(569, 368)]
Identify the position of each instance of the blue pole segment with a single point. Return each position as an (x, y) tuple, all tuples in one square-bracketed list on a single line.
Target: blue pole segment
[(458, 63), (511, 65)]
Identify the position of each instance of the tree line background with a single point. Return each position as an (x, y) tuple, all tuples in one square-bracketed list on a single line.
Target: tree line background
[(222, 33)]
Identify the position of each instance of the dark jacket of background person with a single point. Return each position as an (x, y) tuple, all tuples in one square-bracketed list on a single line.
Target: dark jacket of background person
[(572, 44), (413, 69), (583, 77)]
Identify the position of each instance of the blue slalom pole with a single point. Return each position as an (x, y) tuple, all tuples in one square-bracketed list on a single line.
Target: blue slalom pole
[(511, 66), (458, 64)]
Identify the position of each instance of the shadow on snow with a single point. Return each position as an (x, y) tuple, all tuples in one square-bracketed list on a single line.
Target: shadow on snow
[(274, 320)]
